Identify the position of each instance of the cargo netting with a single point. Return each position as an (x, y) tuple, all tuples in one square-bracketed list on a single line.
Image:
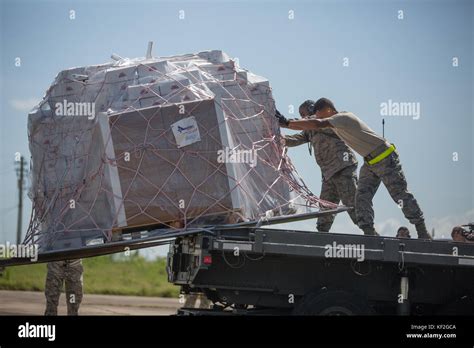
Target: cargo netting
[(150, 143)]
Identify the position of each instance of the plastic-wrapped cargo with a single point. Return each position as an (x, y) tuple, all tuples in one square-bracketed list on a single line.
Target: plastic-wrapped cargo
[(154, 142)]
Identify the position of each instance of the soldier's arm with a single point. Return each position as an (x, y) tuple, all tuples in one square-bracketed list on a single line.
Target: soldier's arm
[(296, 139), (311, 124)]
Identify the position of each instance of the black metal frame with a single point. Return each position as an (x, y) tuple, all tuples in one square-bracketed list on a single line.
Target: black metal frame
[(273, 264)]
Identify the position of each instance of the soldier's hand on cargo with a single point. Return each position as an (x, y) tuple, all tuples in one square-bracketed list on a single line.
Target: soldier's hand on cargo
[(282, 120)]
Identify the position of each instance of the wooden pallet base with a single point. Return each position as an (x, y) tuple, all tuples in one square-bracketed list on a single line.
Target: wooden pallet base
[(232, 217)]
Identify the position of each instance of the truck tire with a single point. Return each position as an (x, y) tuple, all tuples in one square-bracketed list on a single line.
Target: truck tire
[(337, 302)]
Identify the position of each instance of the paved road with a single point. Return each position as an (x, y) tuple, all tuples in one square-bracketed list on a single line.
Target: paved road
[(33, 303)]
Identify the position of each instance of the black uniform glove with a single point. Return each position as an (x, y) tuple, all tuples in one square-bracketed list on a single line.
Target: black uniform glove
[(282, 120)]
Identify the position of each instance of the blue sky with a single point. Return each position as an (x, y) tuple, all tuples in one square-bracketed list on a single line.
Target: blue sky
[(405, 60)]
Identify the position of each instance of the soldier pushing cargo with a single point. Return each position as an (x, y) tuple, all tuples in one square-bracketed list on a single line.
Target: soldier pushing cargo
[(68, 272), (337, 162), (381, 164)]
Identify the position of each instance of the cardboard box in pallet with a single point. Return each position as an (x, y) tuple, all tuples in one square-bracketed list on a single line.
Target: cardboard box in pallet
[(156, 182)]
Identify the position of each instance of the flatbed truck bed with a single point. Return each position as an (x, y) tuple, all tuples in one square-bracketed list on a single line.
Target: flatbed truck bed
[(254, 270), (248, 268)]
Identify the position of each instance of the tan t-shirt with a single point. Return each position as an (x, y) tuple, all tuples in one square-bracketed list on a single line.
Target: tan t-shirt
[(355, 133)]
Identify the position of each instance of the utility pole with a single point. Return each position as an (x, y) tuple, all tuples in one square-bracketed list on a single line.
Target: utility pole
[(383, 127), (20, 174)]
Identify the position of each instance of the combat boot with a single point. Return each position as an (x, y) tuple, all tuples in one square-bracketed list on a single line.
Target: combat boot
[(422, 232), (369, 231)]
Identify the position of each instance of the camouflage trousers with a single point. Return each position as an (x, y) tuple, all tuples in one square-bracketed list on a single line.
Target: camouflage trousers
[(341, 186), (68, 272), (389, 171)]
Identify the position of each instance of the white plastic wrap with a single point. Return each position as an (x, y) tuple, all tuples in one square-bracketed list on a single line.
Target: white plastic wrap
[(172, 142)]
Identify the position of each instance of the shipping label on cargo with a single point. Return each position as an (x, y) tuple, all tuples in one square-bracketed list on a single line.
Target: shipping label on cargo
[(186, 131)]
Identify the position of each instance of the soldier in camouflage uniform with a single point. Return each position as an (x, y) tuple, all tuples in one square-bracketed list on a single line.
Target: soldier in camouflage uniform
[(389, 171), (381, 164), (403, 232), (459, 234), (68, 272), (337, 162)]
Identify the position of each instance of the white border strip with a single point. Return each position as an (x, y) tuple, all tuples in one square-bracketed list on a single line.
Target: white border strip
[(111, 171)]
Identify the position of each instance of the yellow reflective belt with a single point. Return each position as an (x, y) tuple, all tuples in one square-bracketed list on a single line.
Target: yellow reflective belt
[(383, 155)]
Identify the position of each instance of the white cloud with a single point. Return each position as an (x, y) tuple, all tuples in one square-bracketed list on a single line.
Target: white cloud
[(390, 226), (24, 104)]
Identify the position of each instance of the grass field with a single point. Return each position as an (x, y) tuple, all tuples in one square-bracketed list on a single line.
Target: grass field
[(133, 275)]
